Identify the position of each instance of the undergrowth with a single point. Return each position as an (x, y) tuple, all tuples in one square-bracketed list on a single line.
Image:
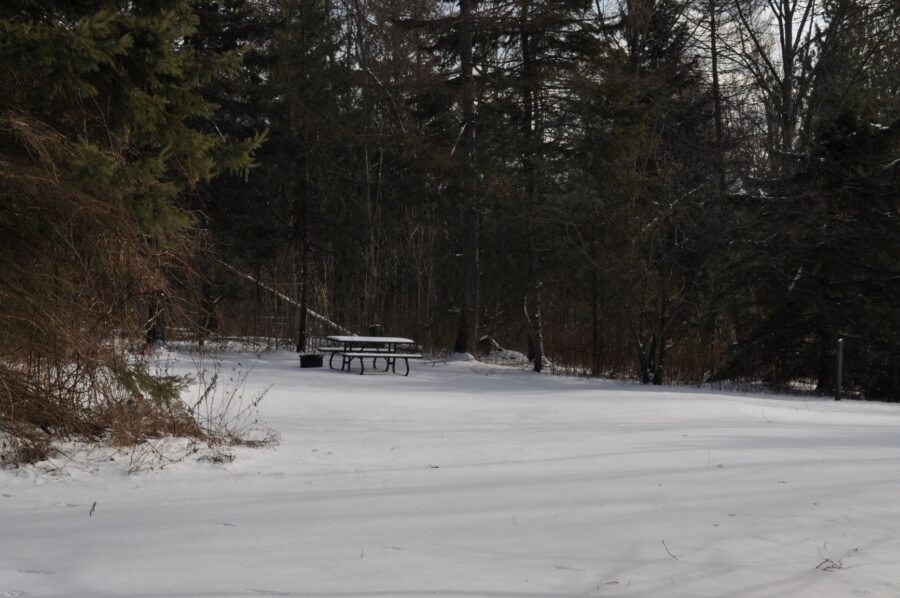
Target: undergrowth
[(138, 410)]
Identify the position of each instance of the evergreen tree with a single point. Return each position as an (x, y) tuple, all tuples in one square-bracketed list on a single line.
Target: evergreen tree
[(823, 263), (100, 105), (648, 150)]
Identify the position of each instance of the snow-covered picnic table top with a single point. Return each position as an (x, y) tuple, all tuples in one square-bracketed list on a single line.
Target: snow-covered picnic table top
[(371, 340)]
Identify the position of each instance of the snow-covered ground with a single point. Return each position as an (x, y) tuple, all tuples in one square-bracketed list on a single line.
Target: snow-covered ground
[(464, 480)]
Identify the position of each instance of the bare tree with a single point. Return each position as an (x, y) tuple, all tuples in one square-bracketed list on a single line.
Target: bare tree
[(775, 45)]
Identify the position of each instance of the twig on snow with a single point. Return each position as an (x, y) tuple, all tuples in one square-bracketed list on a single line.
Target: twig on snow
[(829, 565), (668, 551)]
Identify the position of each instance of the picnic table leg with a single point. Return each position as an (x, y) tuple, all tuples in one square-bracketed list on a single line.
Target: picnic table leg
[(406, 360), (331, 361), (362, 366)]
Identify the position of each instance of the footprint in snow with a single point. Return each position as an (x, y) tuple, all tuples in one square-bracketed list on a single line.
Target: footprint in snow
[(36, 571), (12, 593), (271, 592)]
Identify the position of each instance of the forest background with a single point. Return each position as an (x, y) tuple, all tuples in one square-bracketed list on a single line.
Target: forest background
[(664, 190)]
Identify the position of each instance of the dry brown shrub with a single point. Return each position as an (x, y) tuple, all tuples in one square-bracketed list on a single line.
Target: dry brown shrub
[(78, 278)]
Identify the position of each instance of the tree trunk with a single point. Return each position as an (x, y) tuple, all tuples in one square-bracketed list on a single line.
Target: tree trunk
[(533, 322), (595, 323), (787, 83), (301, 199), (825, 381), (531, 157), (717, 95), (256, 284), (466, 336), (301, 239), (302, 332), (156, 323), (659, 357), (642, 354)]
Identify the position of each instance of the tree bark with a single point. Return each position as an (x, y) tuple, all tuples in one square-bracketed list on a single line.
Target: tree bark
[(535, 335), (531, 157), (717, 94), (156, 324), (595, 323), (466, 336), (302, 333)]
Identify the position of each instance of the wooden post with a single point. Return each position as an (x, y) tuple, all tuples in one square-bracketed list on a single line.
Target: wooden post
[(839, 370)]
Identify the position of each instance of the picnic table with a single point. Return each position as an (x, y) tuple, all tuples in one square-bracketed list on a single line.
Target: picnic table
[(388, 348)]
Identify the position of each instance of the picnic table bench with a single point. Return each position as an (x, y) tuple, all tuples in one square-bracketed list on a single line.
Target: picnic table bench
[(388, 348)]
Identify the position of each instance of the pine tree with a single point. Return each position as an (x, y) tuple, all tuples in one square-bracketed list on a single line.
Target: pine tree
[(99, 111), (823, 263), (648, 152)]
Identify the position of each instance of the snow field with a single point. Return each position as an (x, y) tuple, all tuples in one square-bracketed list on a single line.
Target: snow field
[(466, 480)]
